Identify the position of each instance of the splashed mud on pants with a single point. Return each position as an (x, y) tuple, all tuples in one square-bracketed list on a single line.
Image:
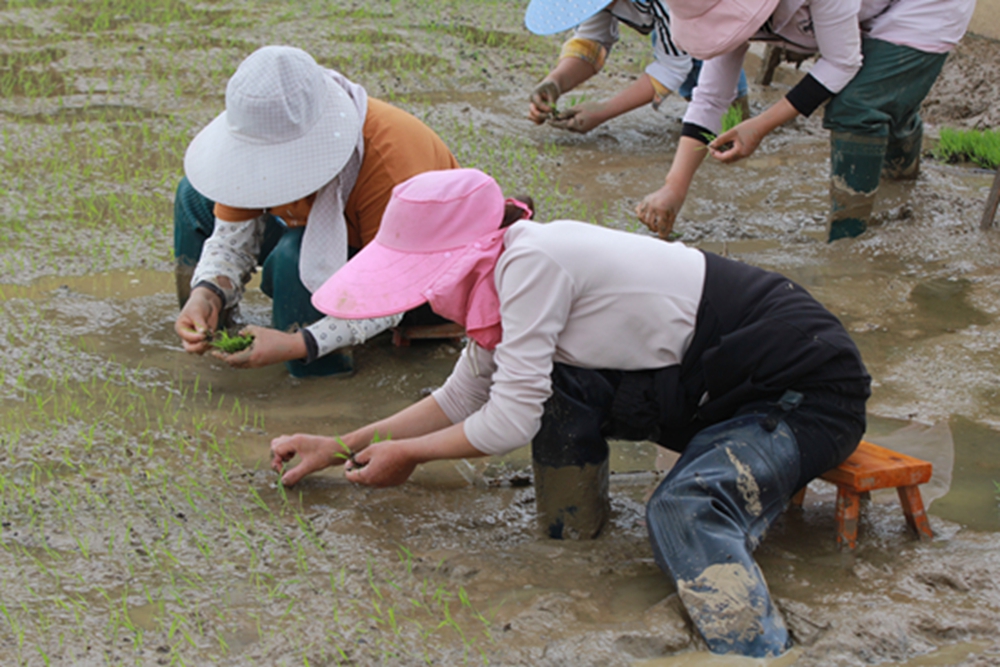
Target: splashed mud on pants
[(706, 517)]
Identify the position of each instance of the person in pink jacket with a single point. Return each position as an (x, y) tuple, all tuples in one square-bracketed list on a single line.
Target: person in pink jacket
[(578, 333), (878, 60)]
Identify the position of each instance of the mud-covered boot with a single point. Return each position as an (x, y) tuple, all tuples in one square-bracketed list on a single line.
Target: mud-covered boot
[(902, 154), (570, 455), (855, 169), (182, 277)]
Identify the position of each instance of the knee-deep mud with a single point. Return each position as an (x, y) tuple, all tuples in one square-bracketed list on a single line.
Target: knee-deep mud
[(139, 523)]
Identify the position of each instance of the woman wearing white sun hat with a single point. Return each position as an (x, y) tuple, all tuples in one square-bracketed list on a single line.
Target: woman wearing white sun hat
[(595, 24), (878, 60), (297, 144), (579, 332)]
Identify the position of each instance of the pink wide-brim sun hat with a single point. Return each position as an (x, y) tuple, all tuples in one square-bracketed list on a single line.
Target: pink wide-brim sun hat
[(710, 28), (287, 130), (431, 220)]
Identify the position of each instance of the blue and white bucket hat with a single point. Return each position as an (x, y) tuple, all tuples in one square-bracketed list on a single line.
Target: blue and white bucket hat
[(545, 17)]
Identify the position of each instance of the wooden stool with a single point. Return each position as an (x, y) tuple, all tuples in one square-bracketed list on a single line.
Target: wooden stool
[(872, 467), (401, 336)]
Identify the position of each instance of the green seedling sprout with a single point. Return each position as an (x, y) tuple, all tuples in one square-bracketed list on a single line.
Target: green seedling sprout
[(230, 344), (347, 454)]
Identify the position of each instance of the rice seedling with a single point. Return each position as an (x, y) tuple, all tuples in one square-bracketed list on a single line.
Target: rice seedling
[(981, 147)]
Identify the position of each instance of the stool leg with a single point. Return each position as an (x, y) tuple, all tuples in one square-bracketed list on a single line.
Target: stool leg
[(798, 498), (848, 509), (913, 508), (399, 339)]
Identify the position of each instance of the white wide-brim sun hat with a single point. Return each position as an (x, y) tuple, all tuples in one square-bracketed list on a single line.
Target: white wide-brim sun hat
[(546, 17), (288, 129)]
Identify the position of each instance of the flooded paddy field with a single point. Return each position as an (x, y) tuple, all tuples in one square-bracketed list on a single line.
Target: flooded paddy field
[(139, 522)]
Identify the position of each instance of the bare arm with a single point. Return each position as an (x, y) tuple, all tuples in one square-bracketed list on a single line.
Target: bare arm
[(587, 116), (659, 210), (567, 75), (746, 136), (420, 433)]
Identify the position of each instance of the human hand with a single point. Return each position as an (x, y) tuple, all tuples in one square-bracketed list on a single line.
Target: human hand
[(543, 101), (314, 451), (658, 210), (582, 118), (381, 464), (269, 346), (738, 142), (198, 319)]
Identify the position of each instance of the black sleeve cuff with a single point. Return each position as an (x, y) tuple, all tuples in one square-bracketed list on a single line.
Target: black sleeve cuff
[(214, 289), (702, 134), (807, 95), (312, 349)]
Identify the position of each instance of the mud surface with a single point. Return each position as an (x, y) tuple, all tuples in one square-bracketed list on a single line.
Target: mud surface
[(139, 523)]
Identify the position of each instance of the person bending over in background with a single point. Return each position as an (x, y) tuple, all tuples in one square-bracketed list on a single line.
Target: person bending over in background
[(579, 332), (878, 60), (583, 56), (294, 175)]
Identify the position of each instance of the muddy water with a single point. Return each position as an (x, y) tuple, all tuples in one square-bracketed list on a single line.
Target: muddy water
[(604, 602), (139, 523)]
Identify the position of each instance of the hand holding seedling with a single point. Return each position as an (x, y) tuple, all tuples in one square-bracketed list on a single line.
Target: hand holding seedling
[(747, 135), (198, 319), (658, 210), (314, 451), (737, 143), (270, 346), (543, 101), (382, 464), (580, 118)]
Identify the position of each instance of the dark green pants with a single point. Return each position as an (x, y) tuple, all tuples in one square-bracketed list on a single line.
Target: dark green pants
[(875, 127), (292, 306)]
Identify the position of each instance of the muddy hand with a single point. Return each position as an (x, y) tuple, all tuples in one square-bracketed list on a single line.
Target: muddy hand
[(543, 101), (658, 211), (580, 119), (737, 143), (381, 464), (198, 319), (315, 451)]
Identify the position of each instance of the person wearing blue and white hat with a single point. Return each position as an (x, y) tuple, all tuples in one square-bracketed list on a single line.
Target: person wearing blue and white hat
[(583, 56)]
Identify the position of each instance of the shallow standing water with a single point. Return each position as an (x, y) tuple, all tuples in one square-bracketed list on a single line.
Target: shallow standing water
[(139, 523)]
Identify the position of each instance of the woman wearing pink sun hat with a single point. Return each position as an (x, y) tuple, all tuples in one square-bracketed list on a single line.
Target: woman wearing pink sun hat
[(578, 333), (878, 60)]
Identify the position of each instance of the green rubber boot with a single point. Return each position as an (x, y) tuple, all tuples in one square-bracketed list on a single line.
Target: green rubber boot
[(902, 153), (855, 169)]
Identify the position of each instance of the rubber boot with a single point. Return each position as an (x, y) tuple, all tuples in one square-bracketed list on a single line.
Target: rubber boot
[(855, 169), (902, 153), (182, 277), (706, 517), (570, 455)]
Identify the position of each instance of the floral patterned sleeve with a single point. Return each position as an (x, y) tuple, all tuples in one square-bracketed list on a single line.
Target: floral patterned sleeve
[(229, 258)]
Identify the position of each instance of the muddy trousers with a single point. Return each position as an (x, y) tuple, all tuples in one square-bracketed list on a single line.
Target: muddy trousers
[(707, 516), (292, 307), (876, 128)]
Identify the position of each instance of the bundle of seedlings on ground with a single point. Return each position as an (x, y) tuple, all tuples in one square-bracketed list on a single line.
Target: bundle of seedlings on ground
[(230, 344), (981, 147)]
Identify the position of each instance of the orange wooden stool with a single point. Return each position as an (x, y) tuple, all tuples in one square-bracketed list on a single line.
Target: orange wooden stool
[(401, 336), (872, 467)]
